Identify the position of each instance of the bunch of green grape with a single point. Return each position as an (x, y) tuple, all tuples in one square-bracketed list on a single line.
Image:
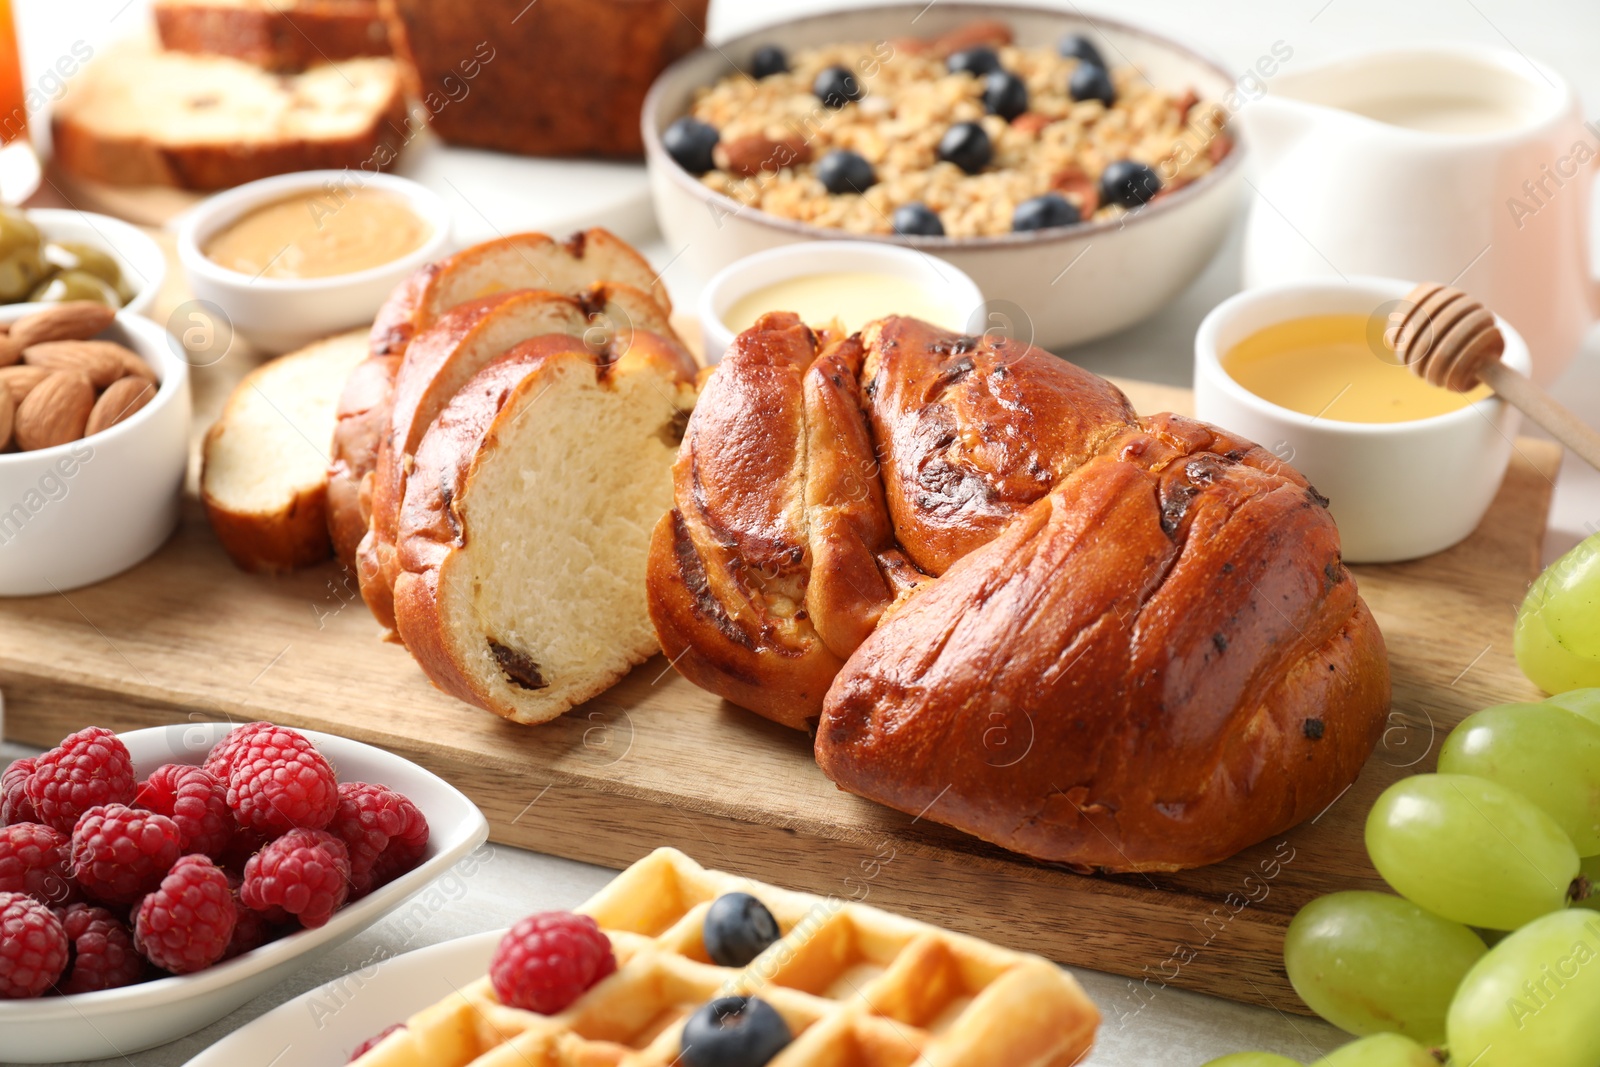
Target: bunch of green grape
[(1494, 849), (1558, 627)]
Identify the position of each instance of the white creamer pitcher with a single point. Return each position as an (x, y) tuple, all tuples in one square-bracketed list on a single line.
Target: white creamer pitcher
[(1452, 163)]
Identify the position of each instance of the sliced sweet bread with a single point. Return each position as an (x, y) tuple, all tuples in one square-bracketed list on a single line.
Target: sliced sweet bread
[(139, 116), (279, 35), (521, 261), (526, 524), (439, 361), (264, 460)]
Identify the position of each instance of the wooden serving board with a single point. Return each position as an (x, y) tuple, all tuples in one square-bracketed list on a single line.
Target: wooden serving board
[(186, 637)]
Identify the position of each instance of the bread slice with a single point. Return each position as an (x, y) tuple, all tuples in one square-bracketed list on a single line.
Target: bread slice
[(438, 362), (526, 525), (278, 35), (139, 116), (521, 261), (264, 461)]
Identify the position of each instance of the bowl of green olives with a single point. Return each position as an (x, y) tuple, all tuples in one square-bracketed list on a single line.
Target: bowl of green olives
[(51, 256)]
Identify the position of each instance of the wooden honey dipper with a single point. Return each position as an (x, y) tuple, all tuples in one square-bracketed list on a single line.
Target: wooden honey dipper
[(1450, 340)]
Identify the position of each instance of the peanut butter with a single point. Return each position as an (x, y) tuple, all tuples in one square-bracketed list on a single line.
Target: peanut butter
[(320, 234)]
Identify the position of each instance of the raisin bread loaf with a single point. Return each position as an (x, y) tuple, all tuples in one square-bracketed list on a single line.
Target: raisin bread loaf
[(139, 116), (279, 35), (526, 525)]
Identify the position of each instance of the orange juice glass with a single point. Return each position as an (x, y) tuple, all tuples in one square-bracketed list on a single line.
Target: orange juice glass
[(13, 108)]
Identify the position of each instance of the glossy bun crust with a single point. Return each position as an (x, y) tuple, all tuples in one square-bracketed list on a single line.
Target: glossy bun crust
[(1005, 602)]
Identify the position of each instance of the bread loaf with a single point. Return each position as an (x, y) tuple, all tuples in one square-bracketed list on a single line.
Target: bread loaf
[(278, 35), (263, 464), (522, 261), (138, 116), (526, 523), (1006, 603)]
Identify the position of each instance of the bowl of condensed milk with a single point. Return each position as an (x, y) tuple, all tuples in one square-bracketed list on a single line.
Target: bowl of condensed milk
[(1303, 369), (296, 257)]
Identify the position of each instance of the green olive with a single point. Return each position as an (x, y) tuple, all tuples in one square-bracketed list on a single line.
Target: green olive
[(73, 255), (20, 273), (76, 285), (17, 231)]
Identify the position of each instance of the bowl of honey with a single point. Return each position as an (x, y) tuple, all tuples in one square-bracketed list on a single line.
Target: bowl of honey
[(1304, 369)]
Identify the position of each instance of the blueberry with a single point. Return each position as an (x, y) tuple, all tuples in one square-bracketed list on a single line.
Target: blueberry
[(769, 59), (843, 171), (1044, 213), (836, 87), (1089, 82), (689, 142), (967, 146), (1005, 94), (1077, 46), (1129, 183), (733, 1032), (975, 61), (917, 220), (737, 928)]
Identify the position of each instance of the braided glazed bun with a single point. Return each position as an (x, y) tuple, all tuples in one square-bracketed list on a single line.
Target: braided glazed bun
[(1007, 603)]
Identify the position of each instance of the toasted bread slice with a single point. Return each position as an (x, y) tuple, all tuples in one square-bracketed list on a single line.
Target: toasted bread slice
[(278, 35), (264, 461), (139, 116), (526, 525), (521, 261)]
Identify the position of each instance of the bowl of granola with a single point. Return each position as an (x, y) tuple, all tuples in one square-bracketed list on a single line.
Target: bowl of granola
[(1081, 170)]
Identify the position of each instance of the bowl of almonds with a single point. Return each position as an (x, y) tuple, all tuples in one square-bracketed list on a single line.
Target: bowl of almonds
[(94, 444)]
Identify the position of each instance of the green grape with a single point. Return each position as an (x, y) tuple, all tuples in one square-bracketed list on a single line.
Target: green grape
[(1534, 999), (1557, 639), (1470, 850), (1585, 702), (1252, 1059), (1548, 754), (1591, 871), (1372, 963), (1379, 1050)]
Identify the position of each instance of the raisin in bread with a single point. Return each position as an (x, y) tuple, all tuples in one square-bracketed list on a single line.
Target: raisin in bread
[(521, 261), (264, 459), (139, 116), (280, 35), (526, 525)]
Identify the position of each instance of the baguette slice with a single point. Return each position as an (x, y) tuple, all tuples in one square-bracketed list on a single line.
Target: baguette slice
[(137, 116), (526, 526), (263, 465), (277, 35), (521, 261)]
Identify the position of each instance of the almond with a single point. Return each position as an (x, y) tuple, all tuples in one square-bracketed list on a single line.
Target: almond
[(97, 361), (19, 380), (78, 320), (750, 156), (132, 363), (120, 400), (9, 352), (7, 417), (55, 411), (988, 33)]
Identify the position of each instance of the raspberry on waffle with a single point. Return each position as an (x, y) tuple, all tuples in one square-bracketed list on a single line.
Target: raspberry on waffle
[(854, 985)]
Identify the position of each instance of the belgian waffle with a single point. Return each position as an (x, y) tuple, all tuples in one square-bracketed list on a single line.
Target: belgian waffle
[(858, 987)]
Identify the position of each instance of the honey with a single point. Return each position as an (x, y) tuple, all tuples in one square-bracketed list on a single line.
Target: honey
[(1337, 367)]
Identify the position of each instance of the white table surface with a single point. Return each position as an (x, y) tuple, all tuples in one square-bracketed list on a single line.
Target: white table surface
[(1176, 1028)]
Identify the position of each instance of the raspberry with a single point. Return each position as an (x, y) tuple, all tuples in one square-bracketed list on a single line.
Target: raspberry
[(196, 801), (120, 853), (33, 860), (374, 1041), (220, 760), (255, 928), (90, 768), (280, 782), (305, 872), (384, 831), (103, 955), (33, 947), (548, 960), (186, 925), (15, 806)]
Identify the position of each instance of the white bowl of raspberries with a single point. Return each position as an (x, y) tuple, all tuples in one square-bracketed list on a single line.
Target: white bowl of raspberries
[(153, 881)]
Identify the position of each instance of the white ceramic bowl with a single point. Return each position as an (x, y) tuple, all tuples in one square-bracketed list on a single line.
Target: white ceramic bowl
[(278, 314), (948, 285), (143, 264), (118, 1022), (1398, 490), (1071, 284), (82, 512)]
